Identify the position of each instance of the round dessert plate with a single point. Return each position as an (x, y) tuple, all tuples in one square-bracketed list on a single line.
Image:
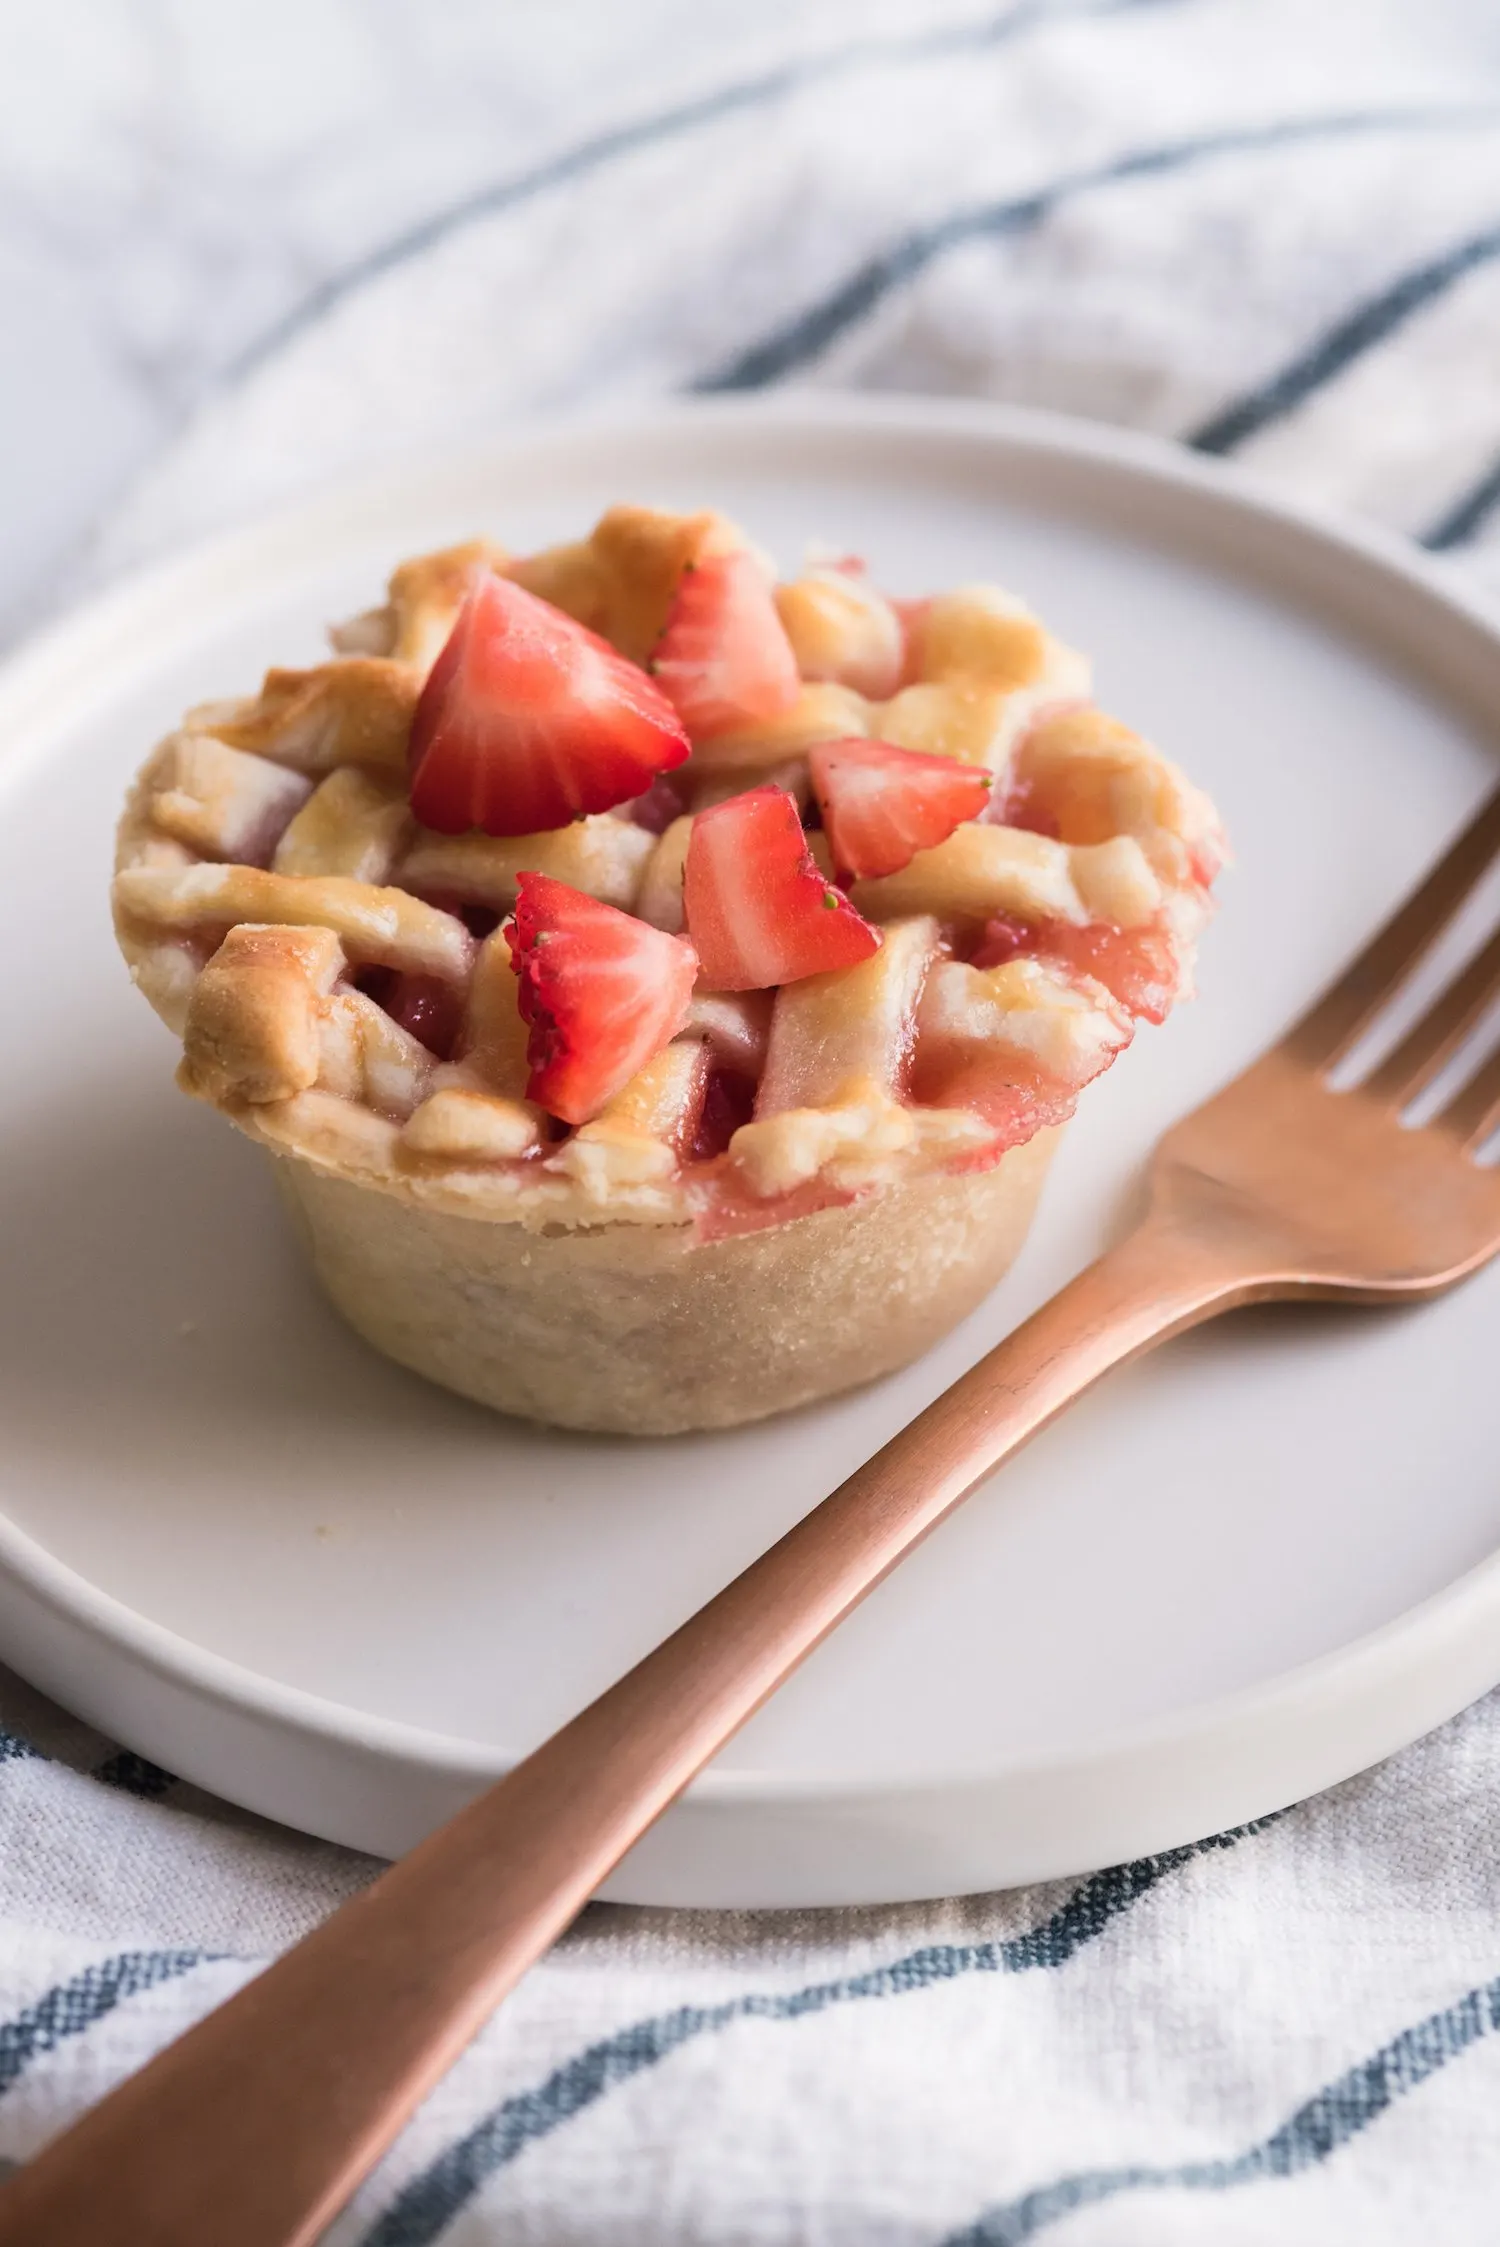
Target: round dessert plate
[(241, 1543)]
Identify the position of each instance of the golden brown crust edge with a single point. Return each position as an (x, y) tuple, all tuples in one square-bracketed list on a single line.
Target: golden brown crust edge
[(641, 1330)]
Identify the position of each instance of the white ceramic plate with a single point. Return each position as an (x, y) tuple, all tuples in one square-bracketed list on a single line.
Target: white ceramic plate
[(254, 1551)]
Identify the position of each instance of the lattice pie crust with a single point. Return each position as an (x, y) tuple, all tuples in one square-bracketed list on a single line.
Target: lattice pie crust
[(272, 884)]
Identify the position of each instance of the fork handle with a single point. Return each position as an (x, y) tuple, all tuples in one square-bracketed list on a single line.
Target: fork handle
[(254, 2128)]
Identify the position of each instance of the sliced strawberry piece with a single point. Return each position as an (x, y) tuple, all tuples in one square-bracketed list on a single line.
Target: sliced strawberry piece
[(757, 908), (1141, 967), (881, 805), (723, 658), (601, 990), (528, 720)]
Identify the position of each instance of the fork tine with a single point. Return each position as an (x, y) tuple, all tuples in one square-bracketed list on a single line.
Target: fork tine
[(1441, 1031), (1336, 1020), (1476, 1111)]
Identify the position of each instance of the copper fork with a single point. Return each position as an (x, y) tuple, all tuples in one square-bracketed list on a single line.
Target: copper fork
[(254, 2128)]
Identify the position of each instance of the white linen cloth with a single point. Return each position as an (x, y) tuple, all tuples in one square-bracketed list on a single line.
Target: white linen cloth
[(1273, 230)]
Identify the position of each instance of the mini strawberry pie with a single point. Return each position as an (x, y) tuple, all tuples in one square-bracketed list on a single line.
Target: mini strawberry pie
[(661, 988)]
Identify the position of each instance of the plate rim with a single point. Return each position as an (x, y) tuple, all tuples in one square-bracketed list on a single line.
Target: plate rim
[(180, 1660), (98, 634)]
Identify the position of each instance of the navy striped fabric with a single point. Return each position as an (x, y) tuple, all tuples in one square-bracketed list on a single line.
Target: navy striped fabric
[(1127, 207), (1267, 229), (806, 337), (597, 151), (72, 2008), (1319, 2127), (428, 2205)]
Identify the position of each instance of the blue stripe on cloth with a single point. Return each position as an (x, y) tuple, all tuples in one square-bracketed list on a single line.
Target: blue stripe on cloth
[(804, 338), (434, 2198), (134, 1774), (1358, 333), (1467, 515), (73, 2006), (666, 124), (13, 1749), (1318, 2128)]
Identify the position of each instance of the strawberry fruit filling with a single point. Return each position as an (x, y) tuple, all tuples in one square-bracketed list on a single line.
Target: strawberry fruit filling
[(757, 908), (1013, 1093), (424, 1005), (728, 1102), (881, 805), (528, 720), (1140, 967), (1023, 806), (602, 992)]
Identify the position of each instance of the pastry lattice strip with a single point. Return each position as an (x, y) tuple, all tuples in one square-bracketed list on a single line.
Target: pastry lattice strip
[(265, 827)]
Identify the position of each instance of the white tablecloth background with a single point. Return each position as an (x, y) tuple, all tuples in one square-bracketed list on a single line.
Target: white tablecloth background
[(1274, 230)]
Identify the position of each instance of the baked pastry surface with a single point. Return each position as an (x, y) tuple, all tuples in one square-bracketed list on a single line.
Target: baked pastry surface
[(342, 979), (645, 1330)]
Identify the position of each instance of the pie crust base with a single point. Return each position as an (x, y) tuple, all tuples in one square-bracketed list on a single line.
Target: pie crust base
[(631, 1329), (341, 979)]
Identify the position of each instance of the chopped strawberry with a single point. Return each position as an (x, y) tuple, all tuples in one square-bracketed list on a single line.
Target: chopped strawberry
[(881, 805), (723, 658), (757, 908), (1141, 967), (528, 719), (601, 990)]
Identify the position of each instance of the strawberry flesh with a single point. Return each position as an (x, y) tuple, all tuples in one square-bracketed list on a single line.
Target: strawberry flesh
[(724, 659), (529, 720), (881, 805), (757, 908), (602, 991)]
